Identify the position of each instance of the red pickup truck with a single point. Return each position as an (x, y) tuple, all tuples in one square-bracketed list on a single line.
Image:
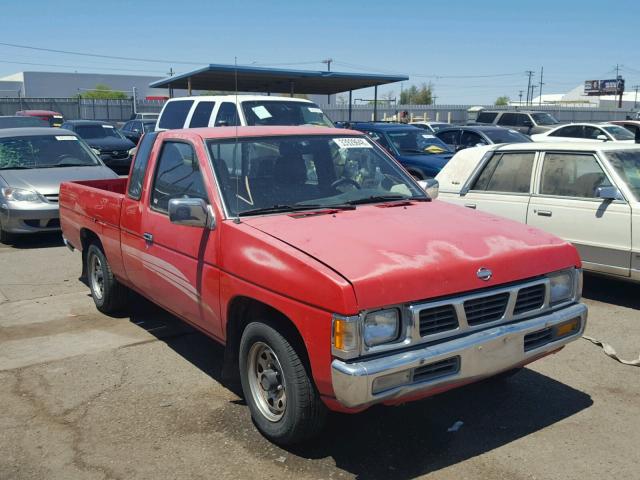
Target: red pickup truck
[(334, 280)]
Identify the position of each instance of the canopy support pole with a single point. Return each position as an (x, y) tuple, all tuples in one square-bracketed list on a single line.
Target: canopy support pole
[(189, 86), (291, 92), (375, 103), (350, 94)]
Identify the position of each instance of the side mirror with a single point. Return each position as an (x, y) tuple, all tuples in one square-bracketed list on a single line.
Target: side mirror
[(602, 138), (191, 212), (609, 193), (431, 186)]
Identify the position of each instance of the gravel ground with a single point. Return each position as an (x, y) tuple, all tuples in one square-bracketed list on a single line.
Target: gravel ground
[(88, 396)]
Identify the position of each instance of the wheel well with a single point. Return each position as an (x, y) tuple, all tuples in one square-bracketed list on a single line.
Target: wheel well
[(241, 311), (87, 238)]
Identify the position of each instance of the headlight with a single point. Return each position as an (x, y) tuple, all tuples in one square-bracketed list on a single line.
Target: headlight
[(562, 286), (133, 151), (20, 195), (96, 151), (381, 327)]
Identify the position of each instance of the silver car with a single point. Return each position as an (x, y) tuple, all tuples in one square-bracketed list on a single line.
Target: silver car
[(33, 163)]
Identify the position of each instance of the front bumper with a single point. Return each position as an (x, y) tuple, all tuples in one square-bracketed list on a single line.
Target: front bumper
[(43, 218), (461, 360)]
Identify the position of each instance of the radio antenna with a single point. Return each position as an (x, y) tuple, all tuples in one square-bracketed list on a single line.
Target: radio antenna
[(235, 148)]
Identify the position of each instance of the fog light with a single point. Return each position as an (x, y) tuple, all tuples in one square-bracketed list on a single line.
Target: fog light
[(381, 384), (567, 328)]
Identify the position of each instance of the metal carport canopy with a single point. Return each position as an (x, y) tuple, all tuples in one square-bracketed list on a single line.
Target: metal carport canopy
[(268, 80)]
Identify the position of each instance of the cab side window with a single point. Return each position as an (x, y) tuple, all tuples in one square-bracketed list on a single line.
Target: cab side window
[(174, 114), (177, 175), (572, 175), (573, 131), (592, 133), (506, 172), (140, 165), (450, 137), (510, 119), (227, 115), (201, 114), (471, 139)]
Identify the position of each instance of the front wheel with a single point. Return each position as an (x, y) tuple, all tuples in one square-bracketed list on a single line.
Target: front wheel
[(109, 295), (283, 401)]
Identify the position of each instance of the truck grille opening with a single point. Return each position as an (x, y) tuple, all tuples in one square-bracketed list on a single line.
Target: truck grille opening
[(438, 319), (435, 370), (51, 197), (529, 298), (486, 309), (538, 339)]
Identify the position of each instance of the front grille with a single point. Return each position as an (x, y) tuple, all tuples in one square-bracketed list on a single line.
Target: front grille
[(116, 155), (486, 309), (529, 298), (538, 339), (52, 197), (435, 370), (438, 319)]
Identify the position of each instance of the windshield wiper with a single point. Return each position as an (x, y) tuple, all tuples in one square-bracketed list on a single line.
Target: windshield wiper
[(73, 165), (294, 208), (379, 198), (19, 167)]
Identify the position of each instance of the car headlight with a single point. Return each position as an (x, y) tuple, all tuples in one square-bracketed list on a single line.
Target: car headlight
[(562, 285), (21, 195), (133, 151), (96, 151), (381, 327)]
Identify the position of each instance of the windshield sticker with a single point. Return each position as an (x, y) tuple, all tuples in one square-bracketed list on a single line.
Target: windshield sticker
[(513, 131), (426, 135), (314, 110), (66, 137), (261, 112), (107, 126), (352, 142)]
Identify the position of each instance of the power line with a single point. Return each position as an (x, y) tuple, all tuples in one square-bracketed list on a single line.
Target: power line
[(75, 66), (425, 75)]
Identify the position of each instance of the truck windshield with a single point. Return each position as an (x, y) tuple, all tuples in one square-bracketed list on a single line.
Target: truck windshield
[(97, 131), (305, 172), (280, 112), (544, 119), (627, 164), (44, 151)]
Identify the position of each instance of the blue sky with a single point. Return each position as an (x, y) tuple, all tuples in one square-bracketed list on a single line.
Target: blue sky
[(429, 41)]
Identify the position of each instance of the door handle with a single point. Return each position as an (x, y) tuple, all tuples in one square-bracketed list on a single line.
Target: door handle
[(544, 213), (147, 237), (470, 205)]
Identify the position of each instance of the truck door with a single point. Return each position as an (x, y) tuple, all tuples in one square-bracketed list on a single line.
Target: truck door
[(179, 258)]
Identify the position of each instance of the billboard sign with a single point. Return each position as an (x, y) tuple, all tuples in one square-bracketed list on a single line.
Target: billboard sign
[(604, 87)]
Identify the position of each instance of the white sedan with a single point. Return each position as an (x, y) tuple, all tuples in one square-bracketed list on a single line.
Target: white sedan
[(586, 132), (586, 193)]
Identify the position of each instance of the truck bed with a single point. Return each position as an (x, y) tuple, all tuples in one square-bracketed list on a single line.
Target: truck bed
[(94, 205)]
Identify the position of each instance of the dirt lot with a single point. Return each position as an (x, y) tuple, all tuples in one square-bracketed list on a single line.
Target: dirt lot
[(88, 396)]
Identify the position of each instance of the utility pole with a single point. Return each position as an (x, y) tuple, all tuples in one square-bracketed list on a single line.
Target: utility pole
[(540, 90), (520, 97), (328, 62), (170, 73), (435, 97), (533, 89), (635, 101), (530, 74)]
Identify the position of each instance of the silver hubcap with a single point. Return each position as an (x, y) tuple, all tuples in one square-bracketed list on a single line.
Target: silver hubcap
[(97, 277), (266, 381)]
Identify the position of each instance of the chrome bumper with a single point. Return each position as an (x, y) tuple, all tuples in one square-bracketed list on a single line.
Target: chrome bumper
[(473, 357)]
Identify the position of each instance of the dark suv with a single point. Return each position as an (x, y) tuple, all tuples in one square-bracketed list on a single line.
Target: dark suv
[(527, 122)]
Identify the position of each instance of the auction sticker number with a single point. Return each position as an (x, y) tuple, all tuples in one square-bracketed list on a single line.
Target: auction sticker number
[(352, 142)]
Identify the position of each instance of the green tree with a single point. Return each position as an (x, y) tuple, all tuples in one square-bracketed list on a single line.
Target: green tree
[(103, 92), (422, 95), (502, 101)]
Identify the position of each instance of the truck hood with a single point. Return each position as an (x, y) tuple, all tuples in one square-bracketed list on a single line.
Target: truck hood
[(47, 180), (424, 250), (110, 143)]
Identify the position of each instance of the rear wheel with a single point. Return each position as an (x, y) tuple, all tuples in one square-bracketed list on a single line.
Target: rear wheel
[(283, 401), (109, 295)]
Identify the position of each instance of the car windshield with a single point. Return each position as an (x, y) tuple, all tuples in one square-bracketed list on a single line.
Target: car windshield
[(97, 131), (16, 122), (280, 112), (619, 133), (544, 119), (274, 174), (44, 151), (417, 142), (627, 164), (505, 135)]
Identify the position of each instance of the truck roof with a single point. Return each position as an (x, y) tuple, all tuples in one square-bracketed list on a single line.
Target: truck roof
[(260, 131), (30, 131), (242, 98)]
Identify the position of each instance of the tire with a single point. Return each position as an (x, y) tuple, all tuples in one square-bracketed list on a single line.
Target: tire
[(109, 295), (302, 414)]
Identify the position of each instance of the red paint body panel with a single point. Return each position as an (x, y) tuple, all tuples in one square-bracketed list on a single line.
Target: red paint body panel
[(306, 267)]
